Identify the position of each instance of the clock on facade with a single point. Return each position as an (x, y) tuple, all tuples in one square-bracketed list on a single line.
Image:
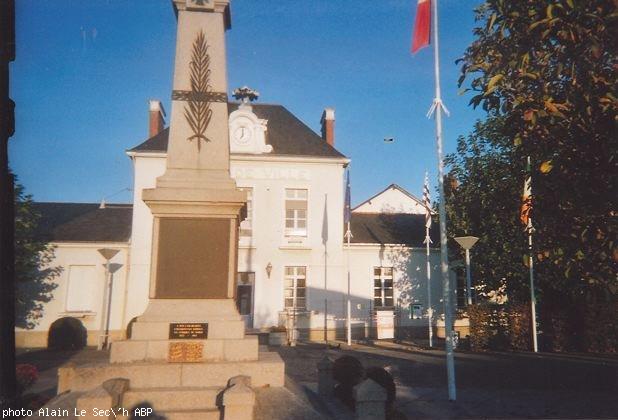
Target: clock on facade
[(247, 131), (243, 132)]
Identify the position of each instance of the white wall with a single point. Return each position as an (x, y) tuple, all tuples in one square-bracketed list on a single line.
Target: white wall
[(82, 254), (409, 278), (269, 178), (392, 200), (147, 168)]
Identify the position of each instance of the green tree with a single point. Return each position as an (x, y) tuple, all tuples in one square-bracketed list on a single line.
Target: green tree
[(34, 272), (548, 70), (483, 199)]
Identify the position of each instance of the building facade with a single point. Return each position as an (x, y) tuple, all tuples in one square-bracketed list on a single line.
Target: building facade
[(293, 260)]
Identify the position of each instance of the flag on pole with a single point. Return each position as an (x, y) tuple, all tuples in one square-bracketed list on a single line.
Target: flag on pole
[(347, 210), (422, 25), (526, 199), (427, 202)]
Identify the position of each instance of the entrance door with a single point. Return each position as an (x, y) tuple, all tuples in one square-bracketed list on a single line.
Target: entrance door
[(244, 297)]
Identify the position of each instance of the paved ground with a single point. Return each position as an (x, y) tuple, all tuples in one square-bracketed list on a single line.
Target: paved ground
[(48, 362), (492, 385)]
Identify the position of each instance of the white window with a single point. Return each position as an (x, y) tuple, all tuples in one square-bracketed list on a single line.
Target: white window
[(295, 287), (383, 286), (295, 212), (82, 288), (246, 225)]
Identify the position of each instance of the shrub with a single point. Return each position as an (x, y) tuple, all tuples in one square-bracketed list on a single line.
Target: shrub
[(488, 327), (26, 375), (348, 372), (480, 329), (33, 401), (278, 329), (520, 326), (601, 327), (345, 394), (67, 334), (384, 379), (557, 331)]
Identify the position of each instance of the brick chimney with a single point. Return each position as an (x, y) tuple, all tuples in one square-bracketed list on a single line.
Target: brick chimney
[(157, 118), (328, 126)]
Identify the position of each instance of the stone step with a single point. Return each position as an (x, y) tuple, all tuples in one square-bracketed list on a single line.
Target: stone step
[(213, 350), (169, 399), (212, 414), (267, 370)]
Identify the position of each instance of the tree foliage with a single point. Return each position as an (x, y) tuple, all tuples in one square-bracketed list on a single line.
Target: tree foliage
[(34, 273), (482, 199), (548, 70)]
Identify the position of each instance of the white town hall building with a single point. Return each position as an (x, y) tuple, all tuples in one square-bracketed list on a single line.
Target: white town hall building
[(292, 252)]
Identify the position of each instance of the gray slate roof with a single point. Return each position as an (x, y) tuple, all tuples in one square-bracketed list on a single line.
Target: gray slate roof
[(395, 187), (84, 222), (391, 228), (286, 134)]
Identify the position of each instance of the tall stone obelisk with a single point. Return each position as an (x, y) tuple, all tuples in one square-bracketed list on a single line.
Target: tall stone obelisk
[(196, 203), (191, 314), (189, 347)]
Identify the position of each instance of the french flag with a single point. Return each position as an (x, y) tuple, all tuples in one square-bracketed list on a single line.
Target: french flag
[(422, 25)]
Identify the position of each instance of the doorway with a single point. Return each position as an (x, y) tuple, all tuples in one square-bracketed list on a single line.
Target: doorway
[(244, 296)]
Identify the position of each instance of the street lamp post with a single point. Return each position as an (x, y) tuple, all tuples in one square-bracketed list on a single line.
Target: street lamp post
[(108, 254), (467, 242)]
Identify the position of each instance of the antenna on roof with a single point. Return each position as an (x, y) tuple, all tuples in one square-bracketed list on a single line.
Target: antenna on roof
[(103, 202)]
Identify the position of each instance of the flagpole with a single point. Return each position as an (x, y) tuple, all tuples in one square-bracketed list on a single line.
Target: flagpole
[(531, 269), (348, 234), (427, 204), (325, 241), (437, 106), (429, 308)]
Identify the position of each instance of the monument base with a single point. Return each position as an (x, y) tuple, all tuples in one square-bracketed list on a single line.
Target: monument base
[(175, 391), (187, 330), (267, 370), (186, 359)]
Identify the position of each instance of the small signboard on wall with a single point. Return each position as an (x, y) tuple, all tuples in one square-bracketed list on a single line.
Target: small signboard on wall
[(416, 311), (188, 330)]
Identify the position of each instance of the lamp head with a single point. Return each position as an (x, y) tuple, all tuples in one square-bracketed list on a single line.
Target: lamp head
[(466, 242), (108, 253)]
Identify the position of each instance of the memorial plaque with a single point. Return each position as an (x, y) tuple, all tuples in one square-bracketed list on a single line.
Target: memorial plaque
[(180, 352), (193, 258), (188, 330)]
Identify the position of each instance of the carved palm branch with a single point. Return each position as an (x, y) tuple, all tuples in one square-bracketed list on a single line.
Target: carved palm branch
[(198, 112)]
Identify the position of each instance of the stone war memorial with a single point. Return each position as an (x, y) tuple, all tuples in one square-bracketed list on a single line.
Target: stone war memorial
[(187, 356)]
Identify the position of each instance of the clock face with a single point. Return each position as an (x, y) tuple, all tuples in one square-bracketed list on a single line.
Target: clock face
[(242, 133)]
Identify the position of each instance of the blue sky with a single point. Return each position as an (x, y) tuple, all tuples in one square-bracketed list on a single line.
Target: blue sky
[(85, 70)]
